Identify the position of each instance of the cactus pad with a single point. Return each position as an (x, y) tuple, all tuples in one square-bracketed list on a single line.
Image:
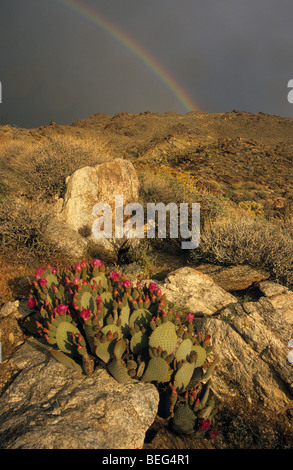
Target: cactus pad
[(140, 317), (64, 337), (183, 350), (101, 280), (66, 360), (119, 371), (164, 336), (184, 420), (157, 370), (201, 355), (138, 342), (183, 377), (85, 299)]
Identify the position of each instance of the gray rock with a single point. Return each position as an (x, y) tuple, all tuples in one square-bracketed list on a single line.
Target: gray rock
[(195, 291), (280, 298), (91, 185), (67, 241), (234, 278), (50, 407), (99, 184), (251, 340), (9, 308)]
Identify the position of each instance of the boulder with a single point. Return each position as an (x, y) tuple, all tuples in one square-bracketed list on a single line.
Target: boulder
[(280, 297), (71, 221), (195, 291), (234, 278), (48, 406), (92, 184), (251, 340), (45, 405), (67, 241)]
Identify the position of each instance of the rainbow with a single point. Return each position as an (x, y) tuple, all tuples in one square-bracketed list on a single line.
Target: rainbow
[(149, 61)]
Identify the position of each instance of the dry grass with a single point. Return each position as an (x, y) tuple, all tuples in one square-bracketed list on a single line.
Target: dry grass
[(14, 280), (39, 170), (22, 230), (32, 174), (253, 241), (164, 184)]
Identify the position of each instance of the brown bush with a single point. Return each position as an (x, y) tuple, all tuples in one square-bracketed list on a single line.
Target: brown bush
[(40, 169), (257, 242), (23, 230)]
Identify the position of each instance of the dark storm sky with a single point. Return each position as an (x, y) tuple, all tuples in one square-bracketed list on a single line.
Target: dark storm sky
[(226, 54)]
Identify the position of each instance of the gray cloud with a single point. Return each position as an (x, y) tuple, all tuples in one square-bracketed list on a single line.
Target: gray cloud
[(228, 54)]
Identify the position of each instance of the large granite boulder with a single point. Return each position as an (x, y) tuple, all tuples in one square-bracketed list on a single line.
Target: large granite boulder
[(234, 278), (195, 291), (72, 217), (94, 184), (48, 406)]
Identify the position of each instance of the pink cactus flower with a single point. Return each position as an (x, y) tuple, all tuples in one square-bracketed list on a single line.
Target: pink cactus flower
[(39, 273), (205, 424), (62, 308), (126, 284), (114, 276), (85, 314), (31, 303), (189, 317), (153, 287), (214, 434), (97, 262), (54, 271), (83, 264), (76, 281), (78, 267), (43, 282)]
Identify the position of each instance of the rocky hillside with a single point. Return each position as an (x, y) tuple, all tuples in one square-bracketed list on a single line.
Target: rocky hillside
[(238, 155), (239, 288)]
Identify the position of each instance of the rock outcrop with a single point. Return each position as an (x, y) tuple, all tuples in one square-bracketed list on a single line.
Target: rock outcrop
[(101, 183), (234, 278), (45, 405), (70, 227), (195, 291), (50, 407)]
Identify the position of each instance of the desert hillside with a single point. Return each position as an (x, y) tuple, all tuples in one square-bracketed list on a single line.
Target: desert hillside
[(237, 155), (237, 285)]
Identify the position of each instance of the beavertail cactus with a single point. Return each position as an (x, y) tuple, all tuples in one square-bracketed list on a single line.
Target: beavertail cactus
[(94, 317)]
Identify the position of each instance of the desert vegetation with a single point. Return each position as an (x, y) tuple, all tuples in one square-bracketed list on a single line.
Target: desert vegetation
[(244, 219), (231, 233), (32, 177)]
